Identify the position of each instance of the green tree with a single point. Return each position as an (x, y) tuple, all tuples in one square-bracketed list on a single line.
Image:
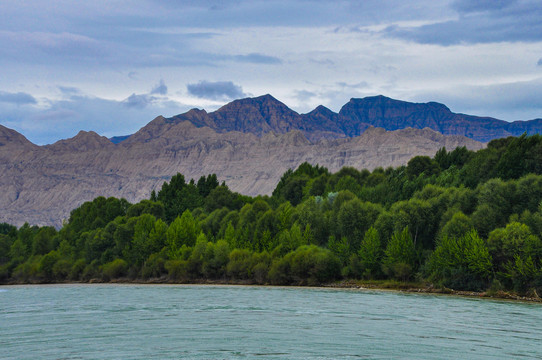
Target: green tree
[(422, 165), (459, 225), (182, 231), (400, 255), (515, 240), (370, 254), (355, 218), (462, 263)]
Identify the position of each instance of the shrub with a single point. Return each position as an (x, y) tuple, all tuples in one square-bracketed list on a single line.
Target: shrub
[(177, 270), (115, 269)]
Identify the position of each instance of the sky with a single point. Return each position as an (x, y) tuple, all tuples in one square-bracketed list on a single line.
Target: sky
[(112, 66)]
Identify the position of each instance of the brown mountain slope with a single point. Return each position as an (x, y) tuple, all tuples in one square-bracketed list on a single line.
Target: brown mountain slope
[(41, 185)]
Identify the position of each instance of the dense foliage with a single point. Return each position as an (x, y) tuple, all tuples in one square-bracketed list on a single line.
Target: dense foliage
[(462, 219)]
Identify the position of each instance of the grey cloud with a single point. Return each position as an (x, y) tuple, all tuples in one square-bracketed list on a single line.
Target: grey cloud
[(469, 6), (480, 23), (539, 63), (304, 95), (138, 101), (219, 90), (361, 84), (113, 21), (160, 89), (69, 90), (510, 101), (64, 118), (54, 115), (19, 98), (54, 44), (327, 62), (257, 58)]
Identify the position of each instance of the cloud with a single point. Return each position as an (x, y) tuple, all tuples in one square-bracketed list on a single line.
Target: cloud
[(539, 63), (479, 22), (361, 84), (19, 98), (508, 101), (41, 47), (219, 90), (469, 6), (160, 89), (304, 95), (256, 58), (66, 117), (69, 90), (139, 101)]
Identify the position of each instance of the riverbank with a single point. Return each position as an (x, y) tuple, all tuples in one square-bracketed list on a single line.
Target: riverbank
[(427, 288), (377, 285)]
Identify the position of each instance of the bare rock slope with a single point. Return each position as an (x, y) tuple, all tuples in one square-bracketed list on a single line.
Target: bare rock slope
[(42, 184)]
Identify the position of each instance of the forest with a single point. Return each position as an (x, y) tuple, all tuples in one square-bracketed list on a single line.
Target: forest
[(461, 220)]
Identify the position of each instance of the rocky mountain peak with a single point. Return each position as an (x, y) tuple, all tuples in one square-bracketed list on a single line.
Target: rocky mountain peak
[(256, 115), (321, 110), (265, 105), (386, 104), (83, 141), (9, 137)]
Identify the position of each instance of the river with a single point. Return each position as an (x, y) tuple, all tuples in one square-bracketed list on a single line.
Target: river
[(106, 321)]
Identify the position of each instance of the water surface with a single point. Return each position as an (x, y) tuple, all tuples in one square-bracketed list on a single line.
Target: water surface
[(234, 322)]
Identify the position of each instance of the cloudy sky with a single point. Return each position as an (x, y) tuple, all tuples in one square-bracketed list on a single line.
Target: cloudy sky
[(113, 65)]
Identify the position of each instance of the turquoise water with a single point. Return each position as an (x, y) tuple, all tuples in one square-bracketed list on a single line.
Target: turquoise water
[(230, 322)]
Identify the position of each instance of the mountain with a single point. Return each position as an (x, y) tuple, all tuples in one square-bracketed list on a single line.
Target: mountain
[(14, 140), (390, 114), (265, 114), (42, 184)]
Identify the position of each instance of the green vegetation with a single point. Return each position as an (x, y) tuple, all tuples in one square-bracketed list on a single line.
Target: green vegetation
[(463, 220)]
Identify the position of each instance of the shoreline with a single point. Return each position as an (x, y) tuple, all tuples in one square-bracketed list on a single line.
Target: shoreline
[(405, 288)]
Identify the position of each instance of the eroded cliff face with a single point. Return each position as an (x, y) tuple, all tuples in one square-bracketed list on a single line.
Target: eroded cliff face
[(41, 185)]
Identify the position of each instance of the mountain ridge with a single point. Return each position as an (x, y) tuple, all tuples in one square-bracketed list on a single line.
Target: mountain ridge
[(259, 115)]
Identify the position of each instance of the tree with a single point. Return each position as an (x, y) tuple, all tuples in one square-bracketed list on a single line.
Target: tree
[(215, 267), (206, 184), (43, 240), (355, 218), (400, 255), (422, 165), (340, 248), (141, 247), (419, 217), (513, 244), (182, 231), (459, 225), (370, 254), (462, 263)]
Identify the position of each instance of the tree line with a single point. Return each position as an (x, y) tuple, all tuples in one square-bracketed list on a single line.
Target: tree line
[(461, 219)]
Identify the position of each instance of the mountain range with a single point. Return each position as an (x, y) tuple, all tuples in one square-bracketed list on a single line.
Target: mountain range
[(249, 143), (266, 114)]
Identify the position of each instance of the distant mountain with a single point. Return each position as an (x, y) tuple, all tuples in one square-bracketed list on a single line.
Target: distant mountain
[(265, 114), (390, 114), (118, 139), (42, 184)]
